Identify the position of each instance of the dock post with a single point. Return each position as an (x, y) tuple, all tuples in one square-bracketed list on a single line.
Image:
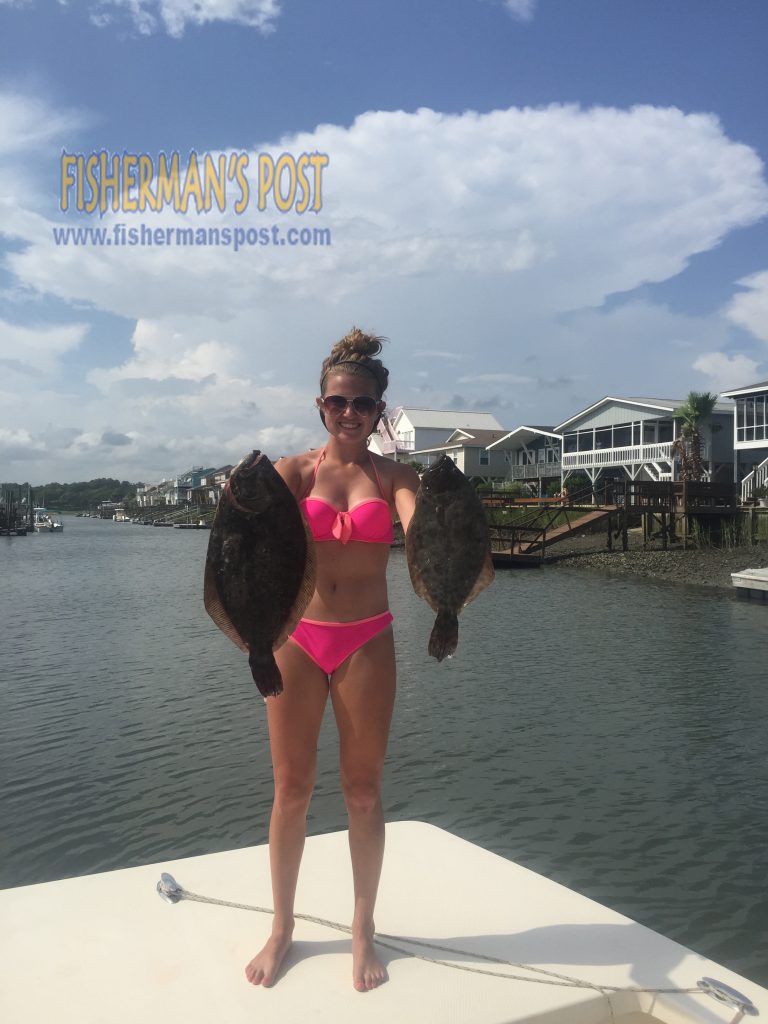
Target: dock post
[(664, 530), (610, 533)]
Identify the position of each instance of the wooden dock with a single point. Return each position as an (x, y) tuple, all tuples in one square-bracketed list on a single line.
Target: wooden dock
[(751, 583)]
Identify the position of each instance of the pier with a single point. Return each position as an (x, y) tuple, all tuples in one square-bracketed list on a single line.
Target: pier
[(675, 512), (16, 513)]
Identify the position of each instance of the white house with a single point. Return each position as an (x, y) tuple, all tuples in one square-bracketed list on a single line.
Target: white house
[(404, 430), (634, 436), (532, 455), (750, 436)]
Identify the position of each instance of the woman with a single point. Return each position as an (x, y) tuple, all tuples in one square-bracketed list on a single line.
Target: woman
[(343, 647)]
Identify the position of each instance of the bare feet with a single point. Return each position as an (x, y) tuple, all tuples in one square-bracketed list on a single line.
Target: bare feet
[(367, 970), (263, 969)]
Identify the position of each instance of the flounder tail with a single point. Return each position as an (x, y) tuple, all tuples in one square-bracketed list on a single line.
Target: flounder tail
[(265, 673), (444, 637)]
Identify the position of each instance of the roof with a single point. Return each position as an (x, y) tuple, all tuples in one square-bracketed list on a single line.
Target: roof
[(517, 437), (448, 419), (473, 439), (760, 386), (664, 405)]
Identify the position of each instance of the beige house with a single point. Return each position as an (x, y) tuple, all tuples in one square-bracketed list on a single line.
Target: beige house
[(470, 451)]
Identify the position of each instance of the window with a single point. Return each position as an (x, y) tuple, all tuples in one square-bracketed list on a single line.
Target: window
[(485, 457)]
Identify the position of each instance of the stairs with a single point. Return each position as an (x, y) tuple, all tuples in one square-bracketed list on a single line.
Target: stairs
[(558, 533), (753, 480), (655, 471)]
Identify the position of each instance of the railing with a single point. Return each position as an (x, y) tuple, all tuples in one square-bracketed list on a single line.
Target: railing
[(534, 470), (636, 453), (529, 533), (757, 478), (389, 445)]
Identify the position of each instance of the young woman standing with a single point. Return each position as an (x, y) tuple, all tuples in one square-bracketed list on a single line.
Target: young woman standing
[(343, 647)]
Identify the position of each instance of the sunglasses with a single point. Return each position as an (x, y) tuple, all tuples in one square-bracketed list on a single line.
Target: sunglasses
[(363, 404)]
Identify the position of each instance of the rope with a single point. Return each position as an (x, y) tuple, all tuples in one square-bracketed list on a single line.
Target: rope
[(386, 941)]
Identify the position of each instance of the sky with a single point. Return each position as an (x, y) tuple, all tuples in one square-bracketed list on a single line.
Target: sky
[(537, 202)]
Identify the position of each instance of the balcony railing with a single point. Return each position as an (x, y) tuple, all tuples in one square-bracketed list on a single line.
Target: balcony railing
[(636, 453), (534, 471), (388, 446)]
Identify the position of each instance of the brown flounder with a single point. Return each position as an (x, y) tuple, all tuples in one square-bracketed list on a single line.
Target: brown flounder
[(448, 550), (260, 567)]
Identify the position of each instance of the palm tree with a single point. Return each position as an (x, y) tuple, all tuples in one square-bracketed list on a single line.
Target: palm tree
[(693, 413)]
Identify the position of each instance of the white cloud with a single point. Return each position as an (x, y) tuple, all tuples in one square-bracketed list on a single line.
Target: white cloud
[(38, 348), (20, 445), (176, 15), (540, 197), (490, 238), (495, 378), (522, 10), (750, 308), (726, 372), (29, 124)]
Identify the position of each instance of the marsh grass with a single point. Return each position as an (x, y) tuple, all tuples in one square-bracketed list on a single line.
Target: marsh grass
[(728, 532)]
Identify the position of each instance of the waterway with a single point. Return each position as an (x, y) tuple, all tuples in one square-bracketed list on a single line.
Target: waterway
[(608, 733)]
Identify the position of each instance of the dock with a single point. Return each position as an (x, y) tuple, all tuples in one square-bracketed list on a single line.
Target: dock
[(112, 950), (751, 583)]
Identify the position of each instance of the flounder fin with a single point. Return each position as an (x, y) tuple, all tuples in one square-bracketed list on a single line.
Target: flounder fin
[(485, 578), (306, 590), (216, 610)]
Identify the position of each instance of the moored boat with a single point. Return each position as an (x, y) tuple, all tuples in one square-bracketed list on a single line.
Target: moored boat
[(44, 521)]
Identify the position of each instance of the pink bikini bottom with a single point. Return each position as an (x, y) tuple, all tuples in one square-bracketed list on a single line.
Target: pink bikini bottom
[(330, 643)]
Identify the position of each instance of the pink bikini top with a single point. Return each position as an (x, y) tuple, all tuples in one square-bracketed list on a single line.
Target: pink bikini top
[(368, 521)]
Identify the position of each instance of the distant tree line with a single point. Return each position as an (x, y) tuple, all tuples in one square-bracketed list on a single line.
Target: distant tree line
[(77, 497)]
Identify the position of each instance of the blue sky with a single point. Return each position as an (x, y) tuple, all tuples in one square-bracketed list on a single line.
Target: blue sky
[(539, 203)]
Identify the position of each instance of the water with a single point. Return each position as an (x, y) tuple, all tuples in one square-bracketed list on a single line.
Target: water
[(607, 733)]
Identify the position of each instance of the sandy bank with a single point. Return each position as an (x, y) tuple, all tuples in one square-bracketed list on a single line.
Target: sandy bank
[(706, 566)]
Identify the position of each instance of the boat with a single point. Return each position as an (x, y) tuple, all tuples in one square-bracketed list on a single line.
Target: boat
[(751, 583), (467, 936), (44, 521)]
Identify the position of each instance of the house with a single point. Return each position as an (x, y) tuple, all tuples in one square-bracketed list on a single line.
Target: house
[(212, 485), (633, 437), (470, 451), (532, 455), (750, 437), (153, 494), (186, 483), (404, 430)]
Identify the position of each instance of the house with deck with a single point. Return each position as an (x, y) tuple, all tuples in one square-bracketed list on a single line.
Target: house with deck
[(471, 452), (404, 430), (212, 485), (634, 438), (750, 437), (532, 456)]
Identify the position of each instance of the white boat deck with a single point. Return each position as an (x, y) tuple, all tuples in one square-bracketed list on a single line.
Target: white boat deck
[(106, 948), (752, 582)]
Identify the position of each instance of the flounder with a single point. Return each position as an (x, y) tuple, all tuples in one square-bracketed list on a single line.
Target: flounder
[(260, 567), (448, 550)]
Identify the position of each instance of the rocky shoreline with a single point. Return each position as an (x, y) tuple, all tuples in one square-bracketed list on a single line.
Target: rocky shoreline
[(703, 567)]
